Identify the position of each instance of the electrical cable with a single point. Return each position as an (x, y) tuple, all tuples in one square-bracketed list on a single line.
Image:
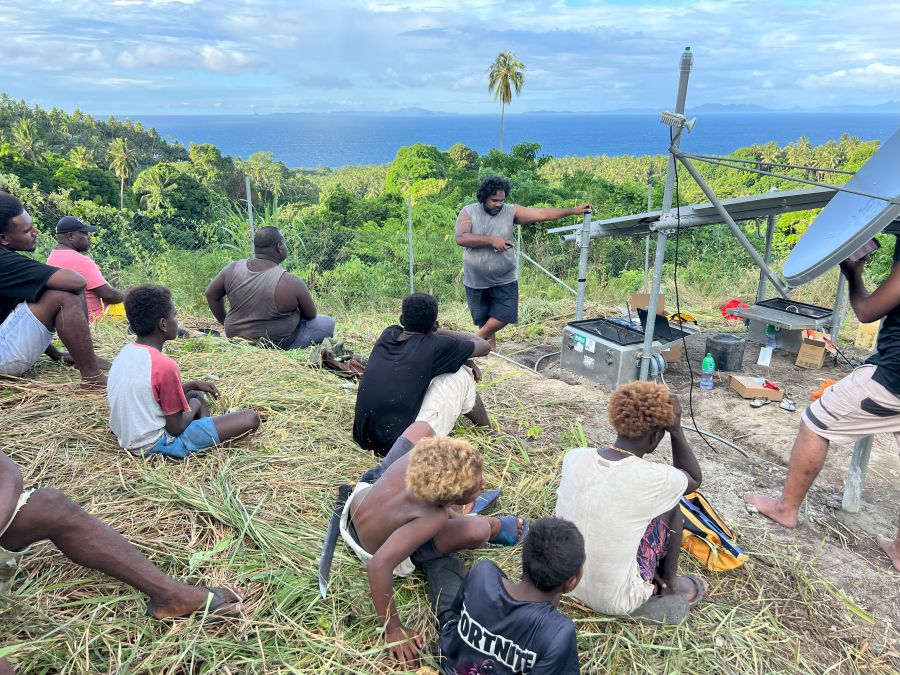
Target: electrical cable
[(678, 304), (544, 357)]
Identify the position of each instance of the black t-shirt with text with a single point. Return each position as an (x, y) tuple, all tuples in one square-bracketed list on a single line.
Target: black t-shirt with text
[(499, 635), (887, 356), (394, 382), (21, 280)]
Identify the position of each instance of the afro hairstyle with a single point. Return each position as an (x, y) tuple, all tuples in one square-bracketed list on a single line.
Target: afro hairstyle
[(420, 311), (145, 305), (552, 554), (491, 185), (441, 469), (637, 408)]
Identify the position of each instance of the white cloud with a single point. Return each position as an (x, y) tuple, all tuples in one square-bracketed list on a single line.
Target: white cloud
[(873, 76), (157, 57)]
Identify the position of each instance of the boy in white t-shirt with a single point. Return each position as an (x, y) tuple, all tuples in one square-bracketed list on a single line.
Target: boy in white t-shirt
[(150, 410), (627, 508)]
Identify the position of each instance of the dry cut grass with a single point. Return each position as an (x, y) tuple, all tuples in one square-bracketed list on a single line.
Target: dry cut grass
[(256, 513)]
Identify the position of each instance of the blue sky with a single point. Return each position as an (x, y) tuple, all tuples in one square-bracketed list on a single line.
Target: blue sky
[(245, 56)]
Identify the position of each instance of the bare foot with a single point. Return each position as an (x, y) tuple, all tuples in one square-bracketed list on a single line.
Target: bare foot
[(103, 364), (94, 382), (195, 601), (892, 548), (772, 508)]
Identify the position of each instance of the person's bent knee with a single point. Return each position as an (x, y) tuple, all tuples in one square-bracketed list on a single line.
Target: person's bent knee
[(54, 503), (477, 532), (253, 418)]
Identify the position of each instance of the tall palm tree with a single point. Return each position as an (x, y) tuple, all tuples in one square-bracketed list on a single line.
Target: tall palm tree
[(505, 75), (26, 140), (155, 183), (123, 163), (81, 157)]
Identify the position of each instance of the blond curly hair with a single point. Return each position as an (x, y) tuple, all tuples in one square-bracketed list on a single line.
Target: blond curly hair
[(636, 408), (442, 469)]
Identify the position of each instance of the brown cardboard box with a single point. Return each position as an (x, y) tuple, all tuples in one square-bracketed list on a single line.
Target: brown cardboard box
[(753, 387), (867, 335), (812, 353), (672, 354), (641, 300)]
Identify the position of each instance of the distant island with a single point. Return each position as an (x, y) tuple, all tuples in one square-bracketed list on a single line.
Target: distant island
[(886, 107)]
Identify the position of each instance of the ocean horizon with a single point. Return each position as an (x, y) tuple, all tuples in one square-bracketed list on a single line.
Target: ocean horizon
[(309, 140)]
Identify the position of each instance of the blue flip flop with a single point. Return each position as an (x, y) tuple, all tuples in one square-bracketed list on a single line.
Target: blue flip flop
[(508, 533), (485, 500)]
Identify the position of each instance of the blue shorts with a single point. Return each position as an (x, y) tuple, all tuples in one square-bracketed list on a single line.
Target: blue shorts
[(200, 435)]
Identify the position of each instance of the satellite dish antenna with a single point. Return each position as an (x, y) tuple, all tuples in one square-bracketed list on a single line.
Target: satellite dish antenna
[(849, 220)]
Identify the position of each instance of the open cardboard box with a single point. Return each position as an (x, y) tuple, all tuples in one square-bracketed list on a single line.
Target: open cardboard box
[(641, 300), (754, 387), (812, 353)]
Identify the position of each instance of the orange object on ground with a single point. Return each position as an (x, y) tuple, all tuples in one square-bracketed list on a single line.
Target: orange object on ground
[(817, 394)]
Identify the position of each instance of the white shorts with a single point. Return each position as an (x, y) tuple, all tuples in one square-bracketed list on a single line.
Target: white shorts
[(854, 408), (447, 397), (7, 556), (23, 338)]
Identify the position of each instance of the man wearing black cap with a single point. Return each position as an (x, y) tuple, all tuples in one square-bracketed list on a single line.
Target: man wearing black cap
[(73, 241), (37, 300)]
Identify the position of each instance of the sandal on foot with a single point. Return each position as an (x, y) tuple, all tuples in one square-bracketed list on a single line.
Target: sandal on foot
[(662, 609), (218, 600), (509, 536), (484, 501), (701, 593)]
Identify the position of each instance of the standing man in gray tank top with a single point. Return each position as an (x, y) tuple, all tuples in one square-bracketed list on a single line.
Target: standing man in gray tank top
[(267, 304), (485, 230)]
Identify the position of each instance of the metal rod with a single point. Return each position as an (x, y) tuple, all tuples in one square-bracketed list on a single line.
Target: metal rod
[(838, 306), (582, 266), (250, 213), (839, 188), (767, 256), (786, 166), (738, 233), (687, 62), (652, 303), (409, 211), (647, 240), (856, 477), (518, 250), (548, 273)]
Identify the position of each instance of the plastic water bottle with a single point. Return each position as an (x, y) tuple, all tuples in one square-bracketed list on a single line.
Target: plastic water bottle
[(771, 336), (709, 366)]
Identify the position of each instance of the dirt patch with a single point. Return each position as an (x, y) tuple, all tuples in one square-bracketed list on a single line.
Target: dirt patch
[(841, 544)]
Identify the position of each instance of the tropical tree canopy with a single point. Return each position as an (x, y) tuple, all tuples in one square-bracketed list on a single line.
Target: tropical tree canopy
[(505, 76)]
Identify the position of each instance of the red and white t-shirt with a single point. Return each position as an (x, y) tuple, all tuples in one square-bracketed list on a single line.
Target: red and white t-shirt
[(144, 385), (78, 262)]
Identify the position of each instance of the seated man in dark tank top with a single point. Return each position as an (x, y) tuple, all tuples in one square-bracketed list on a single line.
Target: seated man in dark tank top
[(266, 303)]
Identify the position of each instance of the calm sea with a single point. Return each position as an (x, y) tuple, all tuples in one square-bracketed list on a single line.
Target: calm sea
[(334, 140)]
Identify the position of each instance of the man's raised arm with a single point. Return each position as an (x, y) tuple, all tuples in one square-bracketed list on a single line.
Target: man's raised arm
[(526, 216), (869, 308)]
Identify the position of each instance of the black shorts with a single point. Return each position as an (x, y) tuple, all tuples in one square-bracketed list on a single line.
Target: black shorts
[(498, 302), (425, 553)]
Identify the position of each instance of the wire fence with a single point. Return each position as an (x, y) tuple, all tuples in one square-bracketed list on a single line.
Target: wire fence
[(368, 264)]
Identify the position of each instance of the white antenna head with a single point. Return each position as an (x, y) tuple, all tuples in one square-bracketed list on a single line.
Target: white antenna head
[(677, 121)]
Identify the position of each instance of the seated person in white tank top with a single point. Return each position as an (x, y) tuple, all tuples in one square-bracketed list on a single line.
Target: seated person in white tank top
[(267, 304)]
